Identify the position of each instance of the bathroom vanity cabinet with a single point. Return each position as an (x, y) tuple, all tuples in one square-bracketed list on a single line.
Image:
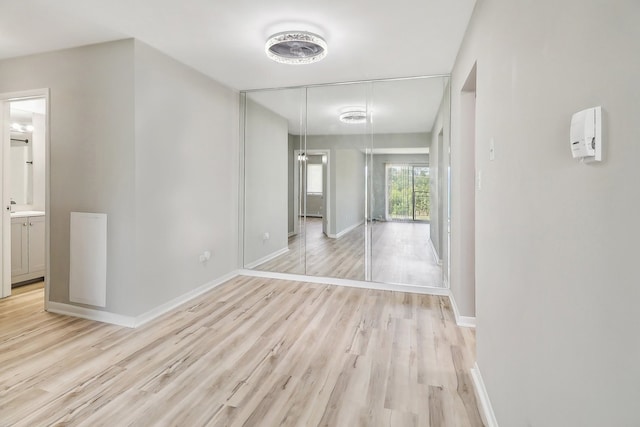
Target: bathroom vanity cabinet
[(27, 246)]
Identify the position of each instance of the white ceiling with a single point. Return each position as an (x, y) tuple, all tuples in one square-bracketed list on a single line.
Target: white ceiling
[(368, 39)]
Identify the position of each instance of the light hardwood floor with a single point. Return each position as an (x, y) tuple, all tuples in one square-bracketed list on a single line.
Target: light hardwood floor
[(253, 352), (400, 254)]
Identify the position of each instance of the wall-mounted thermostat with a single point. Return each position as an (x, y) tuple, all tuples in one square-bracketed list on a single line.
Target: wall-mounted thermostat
[(586, 135)]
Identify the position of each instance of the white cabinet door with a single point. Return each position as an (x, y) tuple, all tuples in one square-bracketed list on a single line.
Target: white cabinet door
[(19, 246), (36, 244)]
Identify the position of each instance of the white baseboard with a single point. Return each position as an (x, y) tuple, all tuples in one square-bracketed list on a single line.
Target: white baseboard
[(269, 257), (436, 257), (426, 290), (170, 305), (346, 230), (91, 314), (484, 403), (131, 321), (464, 321)]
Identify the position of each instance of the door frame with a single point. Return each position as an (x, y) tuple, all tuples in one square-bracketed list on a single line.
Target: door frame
[(326, 191), (5, 250)]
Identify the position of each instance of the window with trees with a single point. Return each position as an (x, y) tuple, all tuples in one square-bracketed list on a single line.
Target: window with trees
[(408, 192)]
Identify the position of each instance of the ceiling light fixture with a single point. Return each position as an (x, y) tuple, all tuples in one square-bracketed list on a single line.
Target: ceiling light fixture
[(296, 47), (354, 116)]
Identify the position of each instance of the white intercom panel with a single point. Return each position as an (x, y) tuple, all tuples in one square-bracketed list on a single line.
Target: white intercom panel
[(586, 135)]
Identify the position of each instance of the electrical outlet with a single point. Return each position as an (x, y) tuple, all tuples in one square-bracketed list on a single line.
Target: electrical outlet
[(205, 256)]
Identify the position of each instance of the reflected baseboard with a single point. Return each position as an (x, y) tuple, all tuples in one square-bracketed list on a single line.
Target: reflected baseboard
[(415, 289), (436, 256), (268, 258), (346, 230)]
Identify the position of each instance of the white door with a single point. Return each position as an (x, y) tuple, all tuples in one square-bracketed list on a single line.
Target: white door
[(5, 226), (5, 183)]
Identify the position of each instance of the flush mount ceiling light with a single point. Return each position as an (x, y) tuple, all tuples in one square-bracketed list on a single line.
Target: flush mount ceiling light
[(354, 116), (296, 47)]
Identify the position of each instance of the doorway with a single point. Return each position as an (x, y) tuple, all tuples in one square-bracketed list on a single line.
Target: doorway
[(470, 181), (24, 251), (311, 186), (407, 192)]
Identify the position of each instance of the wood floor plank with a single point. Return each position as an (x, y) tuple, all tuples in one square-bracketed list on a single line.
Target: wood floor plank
[(400, 253), (252, 352)]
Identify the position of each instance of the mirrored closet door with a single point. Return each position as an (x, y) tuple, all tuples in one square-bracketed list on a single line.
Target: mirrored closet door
[(274, 209), (339, 182), (407, 116), (338, 129)]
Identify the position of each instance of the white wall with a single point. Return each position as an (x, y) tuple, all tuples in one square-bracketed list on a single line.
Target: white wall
[(438, 170), (186, 181), (348, 176), (266, 182), (556, 240), (151, 143), (463, 222), (92, 152)]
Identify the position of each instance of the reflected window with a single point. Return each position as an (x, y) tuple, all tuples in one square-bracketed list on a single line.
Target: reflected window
[(408, 193), (314, 179)]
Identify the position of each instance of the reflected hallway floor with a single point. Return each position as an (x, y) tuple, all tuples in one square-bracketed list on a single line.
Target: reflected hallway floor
[(401, 254)]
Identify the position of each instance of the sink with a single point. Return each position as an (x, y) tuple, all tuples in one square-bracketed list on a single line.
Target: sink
[(23, 214)]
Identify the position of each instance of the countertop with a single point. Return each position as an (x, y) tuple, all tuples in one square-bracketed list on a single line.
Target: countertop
[(24, 214)]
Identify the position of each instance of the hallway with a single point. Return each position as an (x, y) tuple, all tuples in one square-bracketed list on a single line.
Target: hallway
[(401, 254)]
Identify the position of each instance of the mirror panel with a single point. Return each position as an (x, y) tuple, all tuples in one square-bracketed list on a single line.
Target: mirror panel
[(405, 115), (364, 197), (273, 215), (21, 152), (21, 169), (338, 134)]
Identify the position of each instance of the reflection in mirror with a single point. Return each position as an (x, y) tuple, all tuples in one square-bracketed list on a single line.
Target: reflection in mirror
[(273, 213), (338, 126), (21, 170), (349, 180), (27, 131), (408, 116)]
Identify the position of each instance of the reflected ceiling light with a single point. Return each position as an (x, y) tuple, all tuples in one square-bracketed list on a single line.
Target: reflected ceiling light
[(296, 47), (20, 128), (354, 116)]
